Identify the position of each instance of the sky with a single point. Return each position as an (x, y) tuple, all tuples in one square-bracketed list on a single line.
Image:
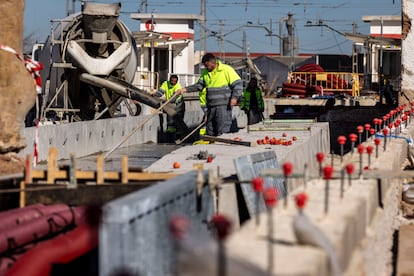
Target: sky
[(227, 17)]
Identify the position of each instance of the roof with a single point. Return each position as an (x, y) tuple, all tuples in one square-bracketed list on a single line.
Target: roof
[(176, 16), (359, 38), (369, 18)]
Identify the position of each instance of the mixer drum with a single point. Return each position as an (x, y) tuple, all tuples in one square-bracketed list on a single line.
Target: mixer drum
[(95, 42)]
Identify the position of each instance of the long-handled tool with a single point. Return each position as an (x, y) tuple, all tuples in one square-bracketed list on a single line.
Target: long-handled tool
[(179, 141), (173, 98), (224, 140)]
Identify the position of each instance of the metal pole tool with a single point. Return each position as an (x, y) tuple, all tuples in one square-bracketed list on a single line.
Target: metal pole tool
[(179, 141)]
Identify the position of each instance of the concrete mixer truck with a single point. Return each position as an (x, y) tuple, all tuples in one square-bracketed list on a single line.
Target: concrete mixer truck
[(90, 60)]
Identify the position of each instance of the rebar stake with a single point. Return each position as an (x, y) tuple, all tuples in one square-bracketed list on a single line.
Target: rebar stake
[(327, 171), (342, 183), (270, 196), (377, 142), (257, 184), (361, 152), (287, 171), (349, 170)]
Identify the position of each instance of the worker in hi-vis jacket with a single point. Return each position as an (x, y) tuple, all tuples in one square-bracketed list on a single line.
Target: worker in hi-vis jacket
[(252, 102), (224, 89), (175, 125)]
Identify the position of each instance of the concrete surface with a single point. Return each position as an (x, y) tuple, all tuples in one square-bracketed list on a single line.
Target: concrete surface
[(302, 151)]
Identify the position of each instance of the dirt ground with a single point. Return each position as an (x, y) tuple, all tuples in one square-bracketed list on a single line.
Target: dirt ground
[(10, 163)]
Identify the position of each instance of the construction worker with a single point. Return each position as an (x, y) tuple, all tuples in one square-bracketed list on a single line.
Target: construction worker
[(175, 125), (252, 102), (224, 89)]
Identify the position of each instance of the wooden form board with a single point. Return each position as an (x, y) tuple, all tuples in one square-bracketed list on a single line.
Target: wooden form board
[(53, 172)]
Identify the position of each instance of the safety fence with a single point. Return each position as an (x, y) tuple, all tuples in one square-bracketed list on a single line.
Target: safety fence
[(134, 234), (326, 82), (147, 80)]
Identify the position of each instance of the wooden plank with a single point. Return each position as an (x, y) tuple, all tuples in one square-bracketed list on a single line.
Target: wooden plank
[(124, 169), (108, 175), (405, 264), (264, 128), (114, 176), (100, 170), (146, 176), (38, 174), (52, 166), (22, 200), (224, 140), (28, 169), (86, 175)]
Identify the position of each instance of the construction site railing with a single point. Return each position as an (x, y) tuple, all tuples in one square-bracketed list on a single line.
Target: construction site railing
[(187, 79), (330, 82), (146, 80), (151, 81)]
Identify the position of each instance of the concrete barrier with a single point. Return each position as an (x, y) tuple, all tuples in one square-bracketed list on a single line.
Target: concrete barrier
[(360, 226)]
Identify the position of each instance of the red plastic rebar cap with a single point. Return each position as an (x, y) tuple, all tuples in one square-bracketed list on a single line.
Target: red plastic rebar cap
[(178, 226), (360, 129), (341, 140), (301, 200), (287, 168), (320, 156), (327, 172), (353, 137), (349, 168), (222, 226), (360, 149), (257, 184), (370, 149), (270, 196), (377, 141)]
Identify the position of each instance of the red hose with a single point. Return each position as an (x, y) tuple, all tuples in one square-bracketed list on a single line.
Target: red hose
[(14, 217), (38, 228), (62, 249)]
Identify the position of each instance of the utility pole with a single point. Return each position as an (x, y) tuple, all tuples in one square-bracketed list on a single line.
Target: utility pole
[(290, 26), (203, 27), (68, 10), (221, 40), (143, 6), (381, 69), (355, 51)]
